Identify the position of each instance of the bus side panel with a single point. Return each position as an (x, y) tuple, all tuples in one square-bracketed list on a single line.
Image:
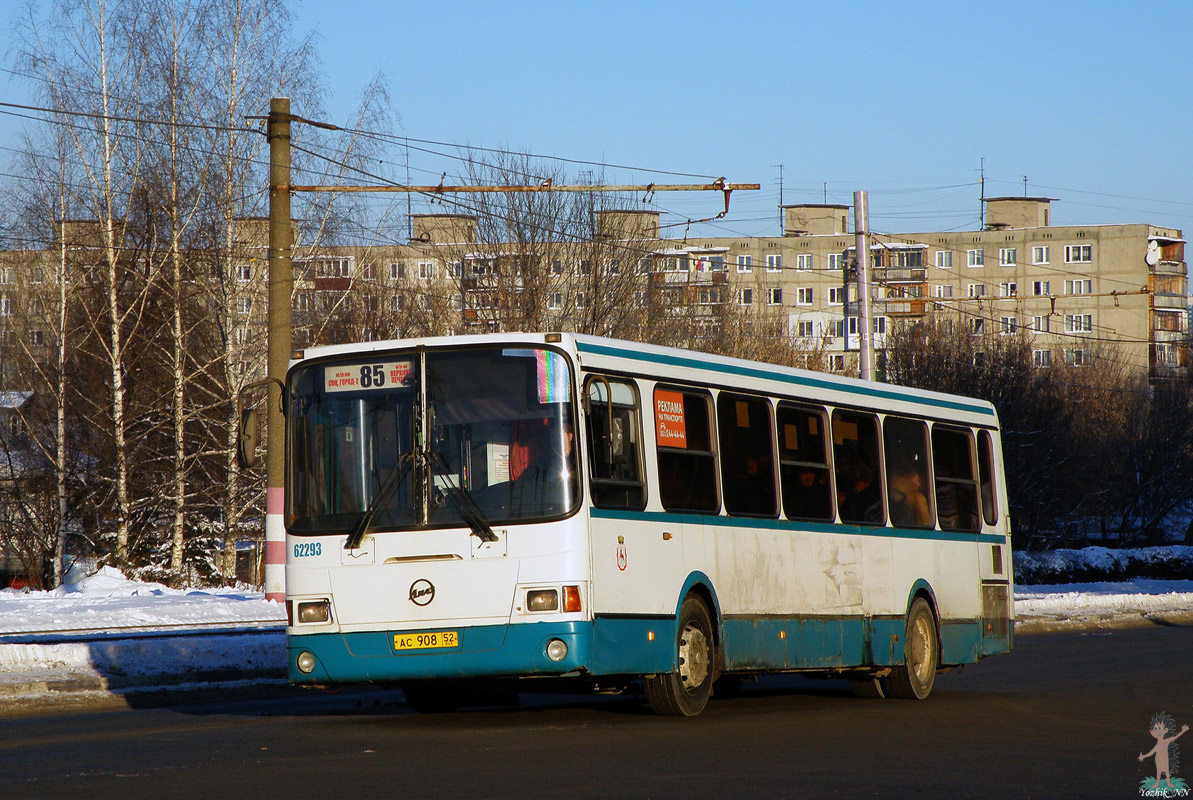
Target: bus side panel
[(791, 599)]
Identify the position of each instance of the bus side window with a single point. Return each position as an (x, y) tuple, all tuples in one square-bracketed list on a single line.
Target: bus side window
[(687, 462), (956, 489), (803, 463), (747, 455), (905, 445), (986, 475), (857, 467), (614, 445)]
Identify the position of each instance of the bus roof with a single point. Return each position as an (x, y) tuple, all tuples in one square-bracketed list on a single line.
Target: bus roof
[(675, 364)]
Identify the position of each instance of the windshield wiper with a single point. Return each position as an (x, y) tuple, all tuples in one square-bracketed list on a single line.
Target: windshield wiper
[(392, 482), (468, 509)]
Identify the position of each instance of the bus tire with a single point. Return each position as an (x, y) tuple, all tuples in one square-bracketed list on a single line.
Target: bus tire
[(685, 692), (913, 679), (432, 697), (869, 688)]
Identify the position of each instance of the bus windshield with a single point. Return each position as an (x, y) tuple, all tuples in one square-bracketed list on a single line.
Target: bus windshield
[(485, 432)]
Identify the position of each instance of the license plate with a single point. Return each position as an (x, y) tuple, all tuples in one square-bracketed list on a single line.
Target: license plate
[(426, 641)]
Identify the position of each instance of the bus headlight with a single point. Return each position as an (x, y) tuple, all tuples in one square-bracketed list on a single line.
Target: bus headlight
[(557, 650), (319, 611), (542, 600), (305, 662)]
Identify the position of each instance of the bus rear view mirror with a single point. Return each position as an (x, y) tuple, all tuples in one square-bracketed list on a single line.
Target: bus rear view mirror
[(246, 439)]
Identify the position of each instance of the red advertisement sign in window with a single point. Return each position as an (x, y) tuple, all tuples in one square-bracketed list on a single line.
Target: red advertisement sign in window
[(670, 427)]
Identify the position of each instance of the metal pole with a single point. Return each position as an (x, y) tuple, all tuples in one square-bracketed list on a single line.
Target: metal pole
[(865, 339), (281, 279)]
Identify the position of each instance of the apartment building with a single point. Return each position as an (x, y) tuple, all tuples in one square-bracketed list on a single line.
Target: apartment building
[(1078, 292)]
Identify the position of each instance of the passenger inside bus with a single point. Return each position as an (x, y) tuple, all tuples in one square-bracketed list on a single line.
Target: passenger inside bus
[(905, 495), (545, 483), (858, 498), (810, 495)]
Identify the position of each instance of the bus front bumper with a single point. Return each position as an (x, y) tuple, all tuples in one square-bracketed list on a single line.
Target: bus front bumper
[(490, 650)]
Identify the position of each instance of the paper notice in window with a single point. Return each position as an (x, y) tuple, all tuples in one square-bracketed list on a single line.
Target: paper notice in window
[(670, 426)]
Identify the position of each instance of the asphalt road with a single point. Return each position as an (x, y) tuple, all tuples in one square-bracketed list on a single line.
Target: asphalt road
[(1064, 716)]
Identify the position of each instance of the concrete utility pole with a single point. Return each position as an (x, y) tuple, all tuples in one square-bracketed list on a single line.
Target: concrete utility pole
[(281, 280), (865, 338)]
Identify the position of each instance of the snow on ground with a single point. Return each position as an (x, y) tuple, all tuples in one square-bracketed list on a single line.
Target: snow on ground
[(76, 630), (109, 601)]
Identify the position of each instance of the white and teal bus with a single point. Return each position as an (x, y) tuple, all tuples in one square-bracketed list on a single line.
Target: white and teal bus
[(556, 505)]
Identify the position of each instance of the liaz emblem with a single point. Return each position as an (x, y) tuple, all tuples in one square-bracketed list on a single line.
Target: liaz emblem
[(422, 592)]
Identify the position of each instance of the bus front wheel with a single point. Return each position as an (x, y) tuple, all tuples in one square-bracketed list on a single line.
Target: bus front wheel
[(913, 679), (685, 692)]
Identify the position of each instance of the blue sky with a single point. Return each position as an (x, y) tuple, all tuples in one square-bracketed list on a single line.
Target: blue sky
[(1091, 101)]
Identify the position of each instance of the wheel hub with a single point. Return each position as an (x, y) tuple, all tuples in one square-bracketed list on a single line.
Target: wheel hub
[(693, 657)]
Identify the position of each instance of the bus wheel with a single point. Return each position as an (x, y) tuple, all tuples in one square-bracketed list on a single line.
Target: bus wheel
[(870, 688), (685, 692), (431, 697), (912, 680)]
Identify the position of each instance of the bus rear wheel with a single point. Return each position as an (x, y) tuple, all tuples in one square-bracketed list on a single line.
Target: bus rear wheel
[(685, 692), (913, 679)]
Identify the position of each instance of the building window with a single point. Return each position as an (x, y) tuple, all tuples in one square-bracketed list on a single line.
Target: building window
[(1008, 289), (1166, 355), (1078, 323), (834, 295), (977, 289), (1078, 357), (246, 305), (6, 275), (1006, 256), (1079, 253), (806, 329), (1040, 324), (397, 303), (556, 301), (977, 326), (943, 290), (426, 270), (1041, 358), (834, 261), (581, 300), (1081, 286), (584, 267), (803, 261), (745, 297), (454, 270), (396, 271), (774, 263), (37, 338), (743, 263), (1041, 288), (774, 297), (1169, 321), (5, 306), (39, 275), (1008, 325), (975, 258), (1039, 254), (944, 259), (836, 362), (244, 272), (803, 296)]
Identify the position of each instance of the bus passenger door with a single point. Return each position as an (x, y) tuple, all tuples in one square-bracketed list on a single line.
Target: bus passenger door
[(632, 550)]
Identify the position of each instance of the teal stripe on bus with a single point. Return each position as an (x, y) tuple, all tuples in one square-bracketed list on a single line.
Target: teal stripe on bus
[(788, 525), (796, 380)]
